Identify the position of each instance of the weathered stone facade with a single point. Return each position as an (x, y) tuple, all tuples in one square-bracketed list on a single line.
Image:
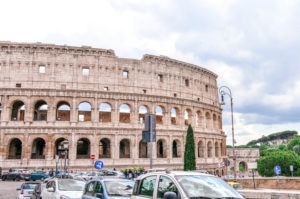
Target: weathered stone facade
[(97, 101)]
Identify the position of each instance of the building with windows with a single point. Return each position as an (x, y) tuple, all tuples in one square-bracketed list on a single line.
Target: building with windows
[(97, 102)]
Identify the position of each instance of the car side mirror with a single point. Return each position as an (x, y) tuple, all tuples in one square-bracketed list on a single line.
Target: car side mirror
[(170, 195)]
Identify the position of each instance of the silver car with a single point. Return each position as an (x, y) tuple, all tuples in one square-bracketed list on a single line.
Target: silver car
[(61, 188), (26, 189), (183, 185)]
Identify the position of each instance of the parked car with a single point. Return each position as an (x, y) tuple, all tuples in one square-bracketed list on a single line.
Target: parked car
[(26, 189), (62, 188), (235, 185), (36, 194), (112, 173), (38, 175), (182, 184), (16, 175), (108, 188)]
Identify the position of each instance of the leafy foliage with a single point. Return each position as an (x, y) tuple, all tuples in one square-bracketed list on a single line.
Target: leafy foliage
[(273, 136), (274, 157), (189, 151)]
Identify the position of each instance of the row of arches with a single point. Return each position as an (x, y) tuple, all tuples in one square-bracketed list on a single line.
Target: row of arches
[(105, 148), (105, 112)]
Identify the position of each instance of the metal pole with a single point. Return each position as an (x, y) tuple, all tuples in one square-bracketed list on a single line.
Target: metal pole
[(222, 92), (233, 144), (150, 120)]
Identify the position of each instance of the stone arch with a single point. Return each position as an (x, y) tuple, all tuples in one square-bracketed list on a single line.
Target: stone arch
[(243, 166), (176, 148), (187, 116), (104, 148), (143, 149), (143, 109), (199, 119), (40, 111), (215, 121), (105, 112), (124, 113), (201, 149), (217, 149), (18, 111), (161, 148), (84, 111), (124, 148), (38, 148), (63, 111), (159, 112), (60, 153), (83, 148), (209, 149), (175, 115), (207, 120), (15, 149)]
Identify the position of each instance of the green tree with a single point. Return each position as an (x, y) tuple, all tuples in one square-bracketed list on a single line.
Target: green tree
[(274, 157), (189, 151)]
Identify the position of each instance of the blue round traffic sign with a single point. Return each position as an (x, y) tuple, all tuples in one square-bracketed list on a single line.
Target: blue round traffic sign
[(277, 170), (99, 164)]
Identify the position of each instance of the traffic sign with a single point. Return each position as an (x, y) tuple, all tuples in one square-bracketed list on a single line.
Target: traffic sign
[(277, 170), (99, 164)]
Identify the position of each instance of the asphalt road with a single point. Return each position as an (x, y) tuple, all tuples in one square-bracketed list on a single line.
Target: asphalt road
[(8, 189)]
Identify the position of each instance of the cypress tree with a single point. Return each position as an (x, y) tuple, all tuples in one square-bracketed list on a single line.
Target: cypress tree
[(189, 151)]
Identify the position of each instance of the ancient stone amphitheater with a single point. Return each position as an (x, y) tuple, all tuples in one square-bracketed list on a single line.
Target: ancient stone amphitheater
[(96, 102)]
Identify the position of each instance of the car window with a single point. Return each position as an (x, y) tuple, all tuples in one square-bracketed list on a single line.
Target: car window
[(165, 184), (147, 186), (89, 190), (98, 188)]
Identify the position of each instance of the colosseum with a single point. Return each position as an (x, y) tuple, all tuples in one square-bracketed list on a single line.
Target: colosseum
[(95, 102)]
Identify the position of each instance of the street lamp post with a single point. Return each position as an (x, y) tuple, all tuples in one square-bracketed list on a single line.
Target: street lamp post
[(64, 146), (224, 90)]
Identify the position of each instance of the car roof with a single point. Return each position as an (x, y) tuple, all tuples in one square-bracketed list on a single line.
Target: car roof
[(108, 179), (175, 173)]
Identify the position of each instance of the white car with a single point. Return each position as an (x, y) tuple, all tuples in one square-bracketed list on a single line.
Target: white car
[(26, 189), (60, 188), (182, 185)]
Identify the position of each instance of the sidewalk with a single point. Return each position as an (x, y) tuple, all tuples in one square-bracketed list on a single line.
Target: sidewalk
[(270, 193)]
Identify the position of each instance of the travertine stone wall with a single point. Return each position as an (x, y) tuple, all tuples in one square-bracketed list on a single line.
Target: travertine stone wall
[(50, 93)]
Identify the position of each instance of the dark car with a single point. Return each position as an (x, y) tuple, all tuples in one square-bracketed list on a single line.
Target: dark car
[(16, 175), (108, 188)]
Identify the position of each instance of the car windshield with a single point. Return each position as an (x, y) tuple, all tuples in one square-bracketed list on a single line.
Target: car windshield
[(119, 188), (70, 185), (206, 186)]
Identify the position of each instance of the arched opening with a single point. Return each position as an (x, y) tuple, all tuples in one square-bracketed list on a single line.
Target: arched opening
[(15, 149), (143, 149), (209, 149), (83, 149), (124, 113), (18, 111), (174, 116), (37, 151), (200, 149), (142, 111), (84, 112), (40, 111), (161, 149), (105, 112), (63, 111), (104, 148), (124, 148)]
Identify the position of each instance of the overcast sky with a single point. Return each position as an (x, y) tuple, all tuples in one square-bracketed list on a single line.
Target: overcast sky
[(252, 45)]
